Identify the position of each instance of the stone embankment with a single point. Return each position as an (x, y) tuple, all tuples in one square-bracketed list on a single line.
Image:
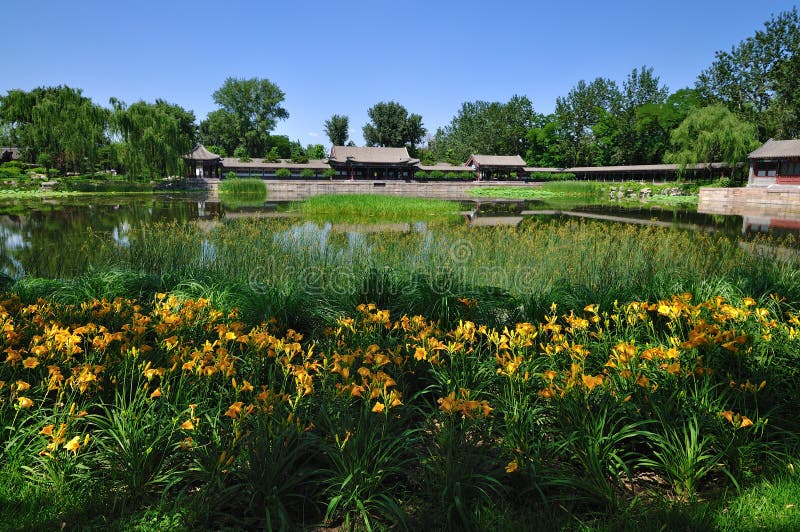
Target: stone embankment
[(752, 201), (298, 190), (289, 190)]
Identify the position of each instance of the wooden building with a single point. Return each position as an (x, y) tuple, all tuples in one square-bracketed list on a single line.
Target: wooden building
[(373, 162), (313, 169), (647, 172), (497, 166), (203, 163), (777, 162)]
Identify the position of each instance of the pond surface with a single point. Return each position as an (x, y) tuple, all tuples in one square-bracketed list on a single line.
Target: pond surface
[(56, 237)]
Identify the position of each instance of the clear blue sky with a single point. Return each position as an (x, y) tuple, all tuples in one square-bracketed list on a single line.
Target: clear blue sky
[(344, 56)]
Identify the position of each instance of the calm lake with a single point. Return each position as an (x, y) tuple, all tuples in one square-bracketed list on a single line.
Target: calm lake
[(59, 237)]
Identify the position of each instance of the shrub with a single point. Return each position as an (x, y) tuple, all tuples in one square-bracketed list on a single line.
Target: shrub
[(10, 172), (44, 160), (330, 173), (437, 174), (422, 174), (272, 155), (230, 175), (218, 150), (283, 173), (551, 176), (307, 172), (14, 164)]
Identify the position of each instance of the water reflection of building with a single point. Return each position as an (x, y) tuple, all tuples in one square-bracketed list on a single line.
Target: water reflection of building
[(758, 217)]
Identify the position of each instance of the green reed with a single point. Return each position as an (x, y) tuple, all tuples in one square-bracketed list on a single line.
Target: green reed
[(374, 207), (516, 272), (243, 186)]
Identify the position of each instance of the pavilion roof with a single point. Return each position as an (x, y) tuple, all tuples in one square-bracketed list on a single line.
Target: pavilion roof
[(775, 149), (200, 153), (371, 155), (514, 161)]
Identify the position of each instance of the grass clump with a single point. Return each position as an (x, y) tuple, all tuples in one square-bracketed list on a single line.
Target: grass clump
[(238, 186), (236, 193), (356, 208)]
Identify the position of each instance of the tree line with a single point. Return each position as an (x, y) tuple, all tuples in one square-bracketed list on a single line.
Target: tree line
[(747, 95)]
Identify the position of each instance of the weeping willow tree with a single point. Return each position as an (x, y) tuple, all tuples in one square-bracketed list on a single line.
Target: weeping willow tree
[(154, 137), (58, 123), (712, 134)]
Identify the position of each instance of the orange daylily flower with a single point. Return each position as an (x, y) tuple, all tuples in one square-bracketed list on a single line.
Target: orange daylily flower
[(234, 410), (448, 404), (24, 402), (73, 444), (591, 381), (513, 466)]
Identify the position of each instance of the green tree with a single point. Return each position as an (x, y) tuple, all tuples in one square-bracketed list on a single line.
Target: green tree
[(543, 145), (492, 128), (282, 144), (337, 128), (757, 79), (655, 123), (620, 138), (315, 151), (392, 126), (712, 134), (155, 136), (241, 154), (299, 155), (576, 116), (272, 156), (249, 110), (57, 121), (219, 150)]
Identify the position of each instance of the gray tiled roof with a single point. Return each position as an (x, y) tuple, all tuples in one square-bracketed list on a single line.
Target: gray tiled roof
[(258, 163), (775, 149), (444, 167), (200, 153), (371, 155), (497, 160), (640, 168)]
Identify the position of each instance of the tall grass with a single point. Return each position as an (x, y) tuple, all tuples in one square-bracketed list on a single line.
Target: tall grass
[(310, 271), (372, 207), (255, 187)]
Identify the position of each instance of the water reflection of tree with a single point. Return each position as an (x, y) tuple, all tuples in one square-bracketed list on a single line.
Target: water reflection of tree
[(64, 240)]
